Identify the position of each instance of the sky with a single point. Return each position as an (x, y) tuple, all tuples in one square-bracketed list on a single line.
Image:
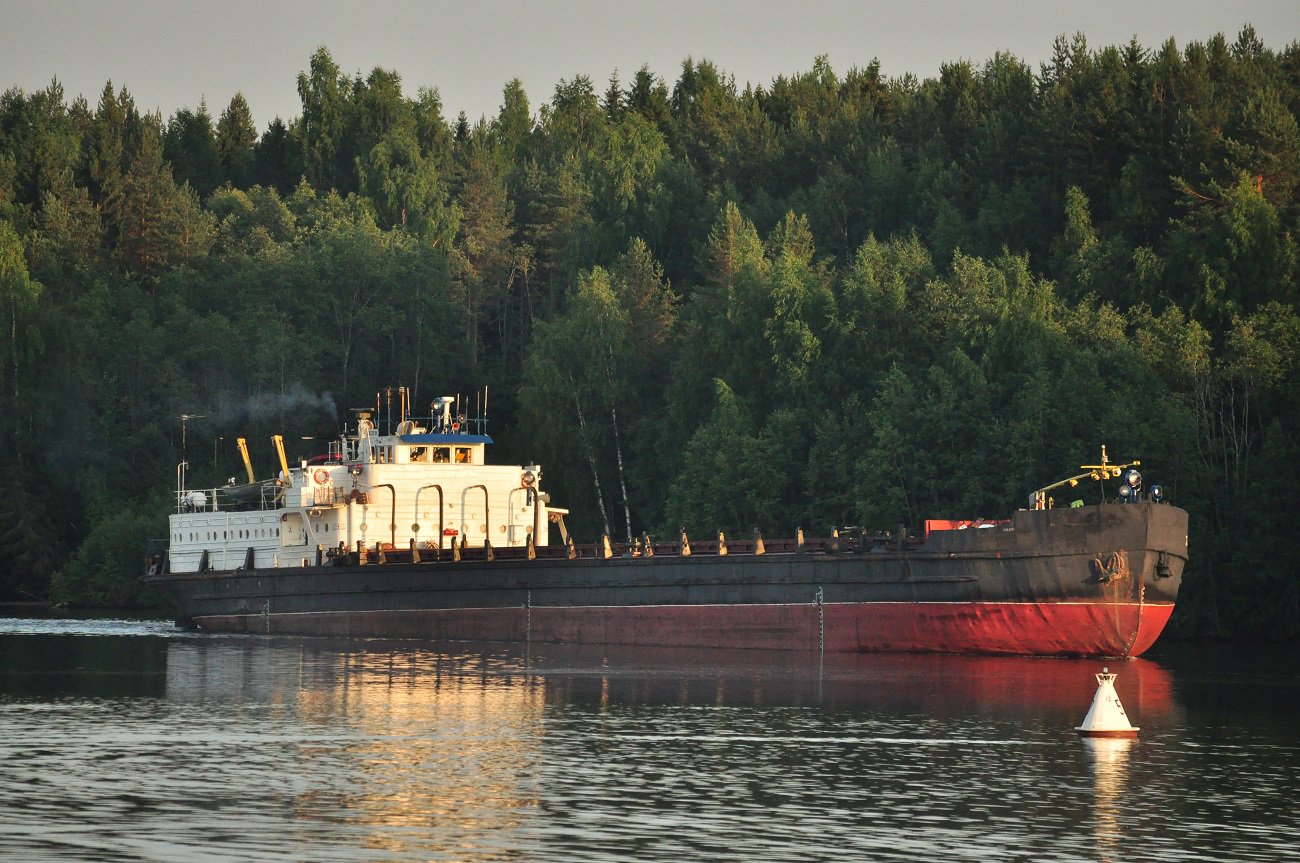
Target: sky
[(170, 54)]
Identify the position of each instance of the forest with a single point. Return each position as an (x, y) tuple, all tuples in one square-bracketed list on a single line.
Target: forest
[(834, 299)]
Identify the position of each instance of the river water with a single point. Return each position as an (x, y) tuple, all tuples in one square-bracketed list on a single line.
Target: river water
[(135, 741)]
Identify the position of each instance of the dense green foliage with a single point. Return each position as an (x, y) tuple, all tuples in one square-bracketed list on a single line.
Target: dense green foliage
[(832, 300)]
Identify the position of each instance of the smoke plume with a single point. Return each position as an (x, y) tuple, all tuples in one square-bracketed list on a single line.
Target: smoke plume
[(296, 398)]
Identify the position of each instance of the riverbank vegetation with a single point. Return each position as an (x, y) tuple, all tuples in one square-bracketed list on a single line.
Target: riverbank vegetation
[(835, 299)]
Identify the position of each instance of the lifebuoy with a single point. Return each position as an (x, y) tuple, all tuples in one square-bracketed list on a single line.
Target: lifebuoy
[(321, 476)]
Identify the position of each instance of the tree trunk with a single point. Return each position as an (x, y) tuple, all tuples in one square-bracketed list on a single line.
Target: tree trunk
[(13, 344), (591, 456), (622, 481)]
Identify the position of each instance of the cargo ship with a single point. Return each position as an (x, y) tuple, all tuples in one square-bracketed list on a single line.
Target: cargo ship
[(411, 533)]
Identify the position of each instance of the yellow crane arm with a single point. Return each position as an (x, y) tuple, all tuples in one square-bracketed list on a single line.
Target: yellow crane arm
[(248, 464), (278, 440)]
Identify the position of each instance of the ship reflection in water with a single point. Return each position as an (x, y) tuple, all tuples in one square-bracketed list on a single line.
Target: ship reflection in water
[(398, 749), (254, 748), (659, 754)]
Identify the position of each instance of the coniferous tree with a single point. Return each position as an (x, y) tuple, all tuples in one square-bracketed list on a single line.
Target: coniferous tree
[(189, 144), (277, 159), (236, 140), (160, 226)]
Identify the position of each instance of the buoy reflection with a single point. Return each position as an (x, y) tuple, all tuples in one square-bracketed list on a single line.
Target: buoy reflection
[(1110, 757)]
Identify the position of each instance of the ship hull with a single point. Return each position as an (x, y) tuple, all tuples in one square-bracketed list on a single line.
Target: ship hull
[(1046, 629), (1092, 581)]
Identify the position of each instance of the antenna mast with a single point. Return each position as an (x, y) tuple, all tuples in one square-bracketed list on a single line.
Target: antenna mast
[(185, 418)]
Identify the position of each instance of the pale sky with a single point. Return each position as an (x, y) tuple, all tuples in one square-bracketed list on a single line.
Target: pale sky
[(172, 53)]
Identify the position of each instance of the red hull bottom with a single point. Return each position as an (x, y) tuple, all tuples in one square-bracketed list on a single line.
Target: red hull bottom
[(1044, 629)]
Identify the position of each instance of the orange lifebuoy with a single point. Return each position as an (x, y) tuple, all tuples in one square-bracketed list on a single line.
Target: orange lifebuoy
[(321, 476)]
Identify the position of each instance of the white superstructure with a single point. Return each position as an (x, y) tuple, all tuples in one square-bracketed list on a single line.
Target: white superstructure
[(377, 491)]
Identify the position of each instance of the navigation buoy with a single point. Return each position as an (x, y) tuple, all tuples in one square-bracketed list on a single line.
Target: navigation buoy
[(1106, 716)]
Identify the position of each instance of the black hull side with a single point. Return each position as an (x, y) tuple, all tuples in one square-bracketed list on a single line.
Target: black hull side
[(1088, 581)]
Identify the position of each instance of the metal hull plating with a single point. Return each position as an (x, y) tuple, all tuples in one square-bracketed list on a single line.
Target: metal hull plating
[(1091, 581)]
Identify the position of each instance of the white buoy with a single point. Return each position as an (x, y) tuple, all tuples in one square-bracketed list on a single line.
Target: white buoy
[(1106, 716)]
